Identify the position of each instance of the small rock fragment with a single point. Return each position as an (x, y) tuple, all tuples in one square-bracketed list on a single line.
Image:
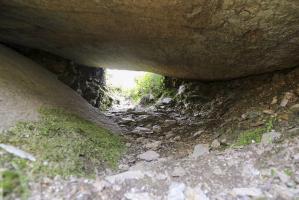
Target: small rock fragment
[(198, 133), (287, 97), (195, 194), (169, 122), (153, 145), (176, 191), (169, 135), (295, 109), (215, 144), (200, 150), (157, 129), (17, 152), (178, 172), (149, 156), (268, 112), (271, 137), (274, 100), (243, 192), (177, 138), (167, 100), (129, 175), (138, 196), (141, 130), (127, 120), (181, 90)]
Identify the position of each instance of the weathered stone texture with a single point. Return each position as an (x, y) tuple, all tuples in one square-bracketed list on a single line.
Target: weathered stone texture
[(201, 39)]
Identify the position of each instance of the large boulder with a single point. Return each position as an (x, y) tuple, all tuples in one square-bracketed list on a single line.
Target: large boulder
[(26, 87), (200, 39)]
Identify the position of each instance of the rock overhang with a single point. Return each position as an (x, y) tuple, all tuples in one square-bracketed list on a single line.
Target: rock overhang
[(197, 39)]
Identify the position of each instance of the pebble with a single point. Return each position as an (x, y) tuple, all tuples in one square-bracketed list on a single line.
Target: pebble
[(169, 135), (286, 98), (129, 175), (177, 138), (243, 192), (176, 191), (149, 156), (167, 100), (215, 144), (141, 130), (138, 196), (198, 133), (195, 194), (169, 122), (178, 172), (157, 129), (200, 150), (271, 137), (295, 108), (153, 145), (181, 90)]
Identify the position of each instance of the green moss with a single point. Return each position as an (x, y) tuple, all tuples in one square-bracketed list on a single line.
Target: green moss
[(254, 135), (13, 182), (288, 172), (65, 144), (250, 136)]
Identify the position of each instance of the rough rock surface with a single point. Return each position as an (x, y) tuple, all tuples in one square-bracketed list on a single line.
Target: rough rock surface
[(25, 86), (254, 172), (201, 39)]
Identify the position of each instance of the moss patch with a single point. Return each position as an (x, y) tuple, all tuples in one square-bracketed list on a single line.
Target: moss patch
[(63, 143), (250, 136), (254, 135)]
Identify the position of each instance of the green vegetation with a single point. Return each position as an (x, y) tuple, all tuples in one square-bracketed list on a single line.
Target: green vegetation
[(148, 84), (13, 182), (288, 172), (254, 135), (250, 136), (63, 143)]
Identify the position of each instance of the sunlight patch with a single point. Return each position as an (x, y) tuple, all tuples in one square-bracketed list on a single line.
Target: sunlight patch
[(123, 79)]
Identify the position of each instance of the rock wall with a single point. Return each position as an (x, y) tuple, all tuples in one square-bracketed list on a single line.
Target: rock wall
[(26, 86), (87, 81)]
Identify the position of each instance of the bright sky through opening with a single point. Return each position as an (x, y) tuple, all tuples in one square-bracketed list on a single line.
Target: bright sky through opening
[(122, 78)]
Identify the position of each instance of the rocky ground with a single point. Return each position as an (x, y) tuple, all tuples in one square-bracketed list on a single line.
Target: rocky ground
[(238, 144), (268, 171), (236, 139)]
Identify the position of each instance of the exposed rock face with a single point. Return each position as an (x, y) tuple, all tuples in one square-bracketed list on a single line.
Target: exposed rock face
[(201, 39), (87, 81), (25, 87)]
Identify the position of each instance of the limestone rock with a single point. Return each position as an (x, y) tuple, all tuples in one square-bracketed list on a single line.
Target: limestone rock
[(149, 156), (169, 122), (141, 130), (167, 100), (157, 129), (200, 150), (176, 191), (295, 109), (178, 172), (215, 144), (153, 145), (271, 137), (243, 192), (196, 39)]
